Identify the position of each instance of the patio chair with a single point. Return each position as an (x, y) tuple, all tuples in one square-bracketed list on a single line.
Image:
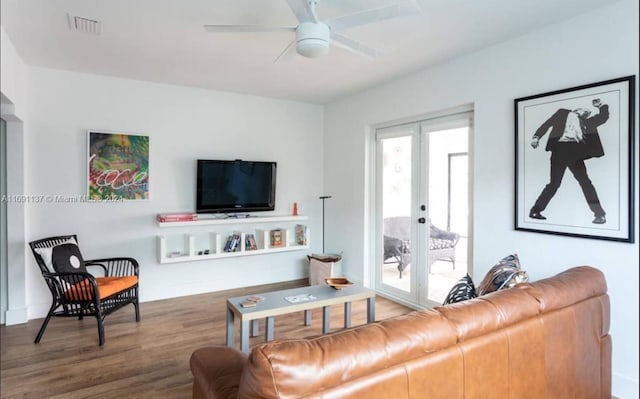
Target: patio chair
[(442, 245), (397, 243), (77, 293)]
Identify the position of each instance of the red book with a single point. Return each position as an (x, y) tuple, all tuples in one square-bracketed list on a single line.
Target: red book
[(176, 217)]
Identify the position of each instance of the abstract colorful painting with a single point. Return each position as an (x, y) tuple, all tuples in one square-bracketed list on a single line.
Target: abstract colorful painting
[(118, 166)]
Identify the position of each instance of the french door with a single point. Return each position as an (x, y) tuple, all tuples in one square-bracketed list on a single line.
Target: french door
[(422, 208)]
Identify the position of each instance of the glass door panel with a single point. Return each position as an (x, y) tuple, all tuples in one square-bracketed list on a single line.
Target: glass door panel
[(396, 211), (395, 197), (448, 205)]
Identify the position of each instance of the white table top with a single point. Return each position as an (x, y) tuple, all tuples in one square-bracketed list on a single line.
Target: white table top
[(275, 304)]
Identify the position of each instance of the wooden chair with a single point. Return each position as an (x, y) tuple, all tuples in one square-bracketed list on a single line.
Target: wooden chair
[(78, 293)]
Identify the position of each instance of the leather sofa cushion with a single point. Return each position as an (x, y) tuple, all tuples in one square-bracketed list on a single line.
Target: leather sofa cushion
[(566, 288), (276, 368)]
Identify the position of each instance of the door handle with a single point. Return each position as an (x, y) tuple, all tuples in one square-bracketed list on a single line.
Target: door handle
[(421, 220)]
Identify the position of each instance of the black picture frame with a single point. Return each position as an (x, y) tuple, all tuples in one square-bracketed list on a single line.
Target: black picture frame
[(576, 177)]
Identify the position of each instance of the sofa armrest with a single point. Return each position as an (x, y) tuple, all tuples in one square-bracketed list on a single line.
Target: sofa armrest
[(216, 372)]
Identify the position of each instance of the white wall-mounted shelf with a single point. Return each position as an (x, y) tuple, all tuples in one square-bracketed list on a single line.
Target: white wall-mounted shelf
[(216, 240), (233, 220)]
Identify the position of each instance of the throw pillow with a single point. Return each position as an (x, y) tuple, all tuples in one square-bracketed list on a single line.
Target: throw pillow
[(46, 253), (64, 257), (461, 291), (67, 258), (505, 274)]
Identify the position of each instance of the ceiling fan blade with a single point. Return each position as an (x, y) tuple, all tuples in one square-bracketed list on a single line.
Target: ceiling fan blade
[(399, 9), (304, 11), (248, 28), (353, 45), (287, 53)]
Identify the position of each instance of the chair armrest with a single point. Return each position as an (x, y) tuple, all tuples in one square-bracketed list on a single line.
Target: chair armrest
[(116, 267), (444, 235), (452, 237), (216, 372)]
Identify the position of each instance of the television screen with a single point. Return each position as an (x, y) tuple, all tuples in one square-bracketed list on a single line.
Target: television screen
[(235, 186)]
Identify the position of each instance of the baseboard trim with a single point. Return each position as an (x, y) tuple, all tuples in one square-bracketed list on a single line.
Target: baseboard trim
[(15, 316), (624, 387)]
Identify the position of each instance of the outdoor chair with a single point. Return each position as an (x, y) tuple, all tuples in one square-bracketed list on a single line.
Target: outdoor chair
[(442, 245), (76, 292), (397, 243), (397, 240)]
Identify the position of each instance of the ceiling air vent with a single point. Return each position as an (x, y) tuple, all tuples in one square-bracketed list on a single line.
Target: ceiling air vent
[(84, 25)]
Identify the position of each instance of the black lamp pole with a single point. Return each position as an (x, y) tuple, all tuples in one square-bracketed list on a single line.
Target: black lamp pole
[(323, 198)]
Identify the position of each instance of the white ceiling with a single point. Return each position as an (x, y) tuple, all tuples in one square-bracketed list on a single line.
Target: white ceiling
[(164, 40)]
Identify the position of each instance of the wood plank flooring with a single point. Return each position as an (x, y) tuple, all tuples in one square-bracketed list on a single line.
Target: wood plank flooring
[(149, 359)]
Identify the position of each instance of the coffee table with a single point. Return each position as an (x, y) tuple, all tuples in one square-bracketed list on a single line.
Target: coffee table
[(274, 304)]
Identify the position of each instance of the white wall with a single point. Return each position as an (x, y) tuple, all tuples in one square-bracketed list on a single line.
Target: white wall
[(184, 124), (12, 110), (599, 45)]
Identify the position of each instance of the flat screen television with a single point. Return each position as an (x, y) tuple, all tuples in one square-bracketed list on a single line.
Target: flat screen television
[(235, 186)]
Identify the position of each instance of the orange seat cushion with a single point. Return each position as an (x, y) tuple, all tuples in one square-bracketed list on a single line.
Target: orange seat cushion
[(107, 286)]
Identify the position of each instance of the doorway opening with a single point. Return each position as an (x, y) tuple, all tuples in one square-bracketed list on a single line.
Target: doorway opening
[(422, 208)]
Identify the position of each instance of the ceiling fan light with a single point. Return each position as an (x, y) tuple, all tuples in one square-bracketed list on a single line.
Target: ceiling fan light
[(312, 48), (312, 39)]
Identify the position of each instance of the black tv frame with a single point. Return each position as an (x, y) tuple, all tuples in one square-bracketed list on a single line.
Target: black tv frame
[(201, 207)]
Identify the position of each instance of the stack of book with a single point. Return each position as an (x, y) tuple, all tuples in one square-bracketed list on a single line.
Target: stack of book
[(233, 243), (252, 301), (177, 217)]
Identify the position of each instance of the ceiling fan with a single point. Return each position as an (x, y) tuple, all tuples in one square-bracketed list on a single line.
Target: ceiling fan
[(314, 36)]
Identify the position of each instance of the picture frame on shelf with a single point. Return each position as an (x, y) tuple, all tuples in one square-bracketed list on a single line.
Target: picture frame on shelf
[(574, 161), (276, 238), (301, 234)]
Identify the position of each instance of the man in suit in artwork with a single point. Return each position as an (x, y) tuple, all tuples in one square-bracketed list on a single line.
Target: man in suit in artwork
[(573, 139)]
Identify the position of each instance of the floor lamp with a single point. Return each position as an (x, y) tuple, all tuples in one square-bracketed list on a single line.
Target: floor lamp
[(323, 198)]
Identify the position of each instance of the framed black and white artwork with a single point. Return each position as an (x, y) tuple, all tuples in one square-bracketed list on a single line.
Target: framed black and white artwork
[(574, 160)]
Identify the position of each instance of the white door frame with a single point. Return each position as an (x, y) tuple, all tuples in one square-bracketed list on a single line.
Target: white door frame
[(417, 298)]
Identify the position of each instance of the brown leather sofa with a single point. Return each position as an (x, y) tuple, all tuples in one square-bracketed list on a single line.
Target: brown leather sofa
[(547, 339)]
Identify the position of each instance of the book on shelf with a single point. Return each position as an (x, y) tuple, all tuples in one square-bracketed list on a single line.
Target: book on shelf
[(227, 245), (233, 243), (276, 238), (301, 234), (177, 217), (250, 242)]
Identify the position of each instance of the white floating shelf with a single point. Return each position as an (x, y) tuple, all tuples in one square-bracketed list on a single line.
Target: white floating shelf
[(215, 241), (232, 220)]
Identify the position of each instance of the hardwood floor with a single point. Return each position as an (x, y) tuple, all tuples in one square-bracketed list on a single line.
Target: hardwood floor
[(149, 359)]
